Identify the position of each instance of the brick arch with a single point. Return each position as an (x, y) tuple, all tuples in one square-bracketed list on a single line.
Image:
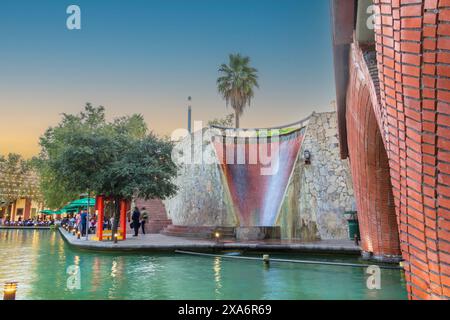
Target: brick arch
[(370, 165), (409, 89)]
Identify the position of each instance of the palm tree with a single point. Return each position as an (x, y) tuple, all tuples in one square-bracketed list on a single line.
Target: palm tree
[(236, 83)]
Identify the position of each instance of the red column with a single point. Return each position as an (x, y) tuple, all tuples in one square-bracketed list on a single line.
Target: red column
[(100, 204), (123, 218)]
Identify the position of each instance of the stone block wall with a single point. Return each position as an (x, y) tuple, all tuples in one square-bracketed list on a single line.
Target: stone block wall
[(320, 192), (200, 200)]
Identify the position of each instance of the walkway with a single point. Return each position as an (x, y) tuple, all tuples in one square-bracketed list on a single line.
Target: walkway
[(159, 242)]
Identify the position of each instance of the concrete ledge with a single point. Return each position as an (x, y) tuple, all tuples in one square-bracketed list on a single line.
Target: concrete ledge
[(257, 233), (23, 228), (159, 242), (381, 258)]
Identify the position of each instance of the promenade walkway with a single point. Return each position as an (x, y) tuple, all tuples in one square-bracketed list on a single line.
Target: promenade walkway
[(159, 242)]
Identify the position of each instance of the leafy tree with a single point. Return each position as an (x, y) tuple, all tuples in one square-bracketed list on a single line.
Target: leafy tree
[(18, 179), (236, 83), (226, 122), (120, 159)]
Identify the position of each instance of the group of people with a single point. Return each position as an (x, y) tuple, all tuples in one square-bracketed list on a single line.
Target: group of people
[(138, 220), (36, 222), (79, 222)]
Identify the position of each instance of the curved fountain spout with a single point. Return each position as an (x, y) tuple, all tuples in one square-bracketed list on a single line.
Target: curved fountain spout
[(256, 170)]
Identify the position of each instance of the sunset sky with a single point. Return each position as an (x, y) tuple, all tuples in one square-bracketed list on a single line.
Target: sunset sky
[(148, 56)]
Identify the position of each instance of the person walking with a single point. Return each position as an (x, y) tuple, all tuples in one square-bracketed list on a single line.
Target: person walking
[(135, 218), (77, 219), (84, 220), (144, 219), (72, 222)]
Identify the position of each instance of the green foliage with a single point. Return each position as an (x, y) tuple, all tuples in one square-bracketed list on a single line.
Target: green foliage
[(121, 159), (237, 82), (54, 190), (226, 122), (17, 179)]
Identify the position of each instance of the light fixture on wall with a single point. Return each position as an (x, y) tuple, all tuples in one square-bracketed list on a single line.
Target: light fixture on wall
[(307, 156)]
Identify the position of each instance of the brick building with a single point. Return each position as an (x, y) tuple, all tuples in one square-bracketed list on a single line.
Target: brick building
[(392, 69)]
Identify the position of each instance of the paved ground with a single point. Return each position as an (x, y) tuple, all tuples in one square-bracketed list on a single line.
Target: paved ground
[(159, 242)]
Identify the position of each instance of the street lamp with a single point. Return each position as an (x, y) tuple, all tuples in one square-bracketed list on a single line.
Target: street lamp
[(189, 114)]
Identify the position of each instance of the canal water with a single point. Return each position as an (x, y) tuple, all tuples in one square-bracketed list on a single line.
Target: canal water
[(38, 260)]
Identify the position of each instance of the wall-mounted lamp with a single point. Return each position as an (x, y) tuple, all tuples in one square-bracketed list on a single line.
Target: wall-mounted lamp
[(307, 156)]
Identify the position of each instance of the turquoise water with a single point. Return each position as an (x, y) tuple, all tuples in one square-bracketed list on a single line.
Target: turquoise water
[(38, 260)]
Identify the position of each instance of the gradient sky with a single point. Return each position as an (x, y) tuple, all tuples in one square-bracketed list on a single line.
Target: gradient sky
[(147, 57)]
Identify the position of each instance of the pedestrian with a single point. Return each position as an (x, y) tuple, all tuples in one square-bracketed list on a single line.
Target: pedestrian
[(106, 224), (135, 218), (84, 219), (144, 219), (78, 221), (72, 222)]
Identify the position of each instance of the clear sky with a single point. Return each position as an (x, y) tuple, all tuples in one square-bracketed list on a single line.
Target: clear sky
[(148, 56)]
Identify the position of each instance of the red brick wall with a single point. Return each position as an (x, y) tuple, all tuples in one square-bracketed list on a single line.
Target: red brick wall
[(370, 166), (158, 219), (155, 207), (413, 113)]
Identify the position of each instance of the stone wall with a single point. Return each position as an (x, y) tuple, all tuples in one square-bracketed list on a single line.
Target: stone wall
[(315, 200), (200, 199), (320, 192)]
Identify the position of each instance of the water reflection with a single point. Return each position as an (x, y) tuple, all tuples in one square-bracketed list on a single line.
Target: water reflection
[(38, 260), (217, 276)]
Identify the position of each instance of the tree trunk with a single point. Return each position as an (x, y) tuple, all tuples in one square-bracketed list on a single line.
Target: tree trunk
[(236, 117), (116, 216)]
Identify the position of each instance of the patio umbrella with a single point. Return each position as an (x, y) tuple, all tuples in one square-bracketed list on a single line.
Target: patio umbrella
[(46, 211), (67, 209), (50, 212), (82, 203)]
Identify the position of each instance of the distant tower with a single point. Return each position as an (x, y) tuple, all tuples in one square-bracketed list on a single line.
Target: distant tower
[(189, 114)]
